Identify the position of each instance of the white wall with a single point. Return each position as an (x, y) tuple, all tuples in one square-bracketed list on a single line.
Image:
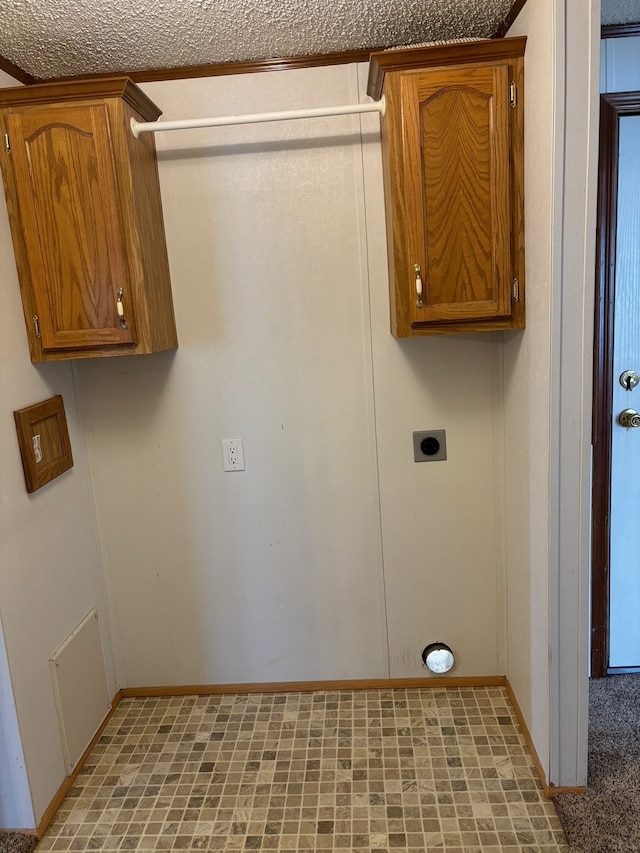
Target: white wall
[(548, 388), (527, 381), (442, 522), (16, 810), (277, 250), (51, 576), (578, 37), (333, 555)]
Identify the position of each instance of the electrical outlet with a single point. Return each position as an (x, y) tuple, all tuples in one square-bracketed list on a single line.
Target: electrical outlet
[(233, 454)]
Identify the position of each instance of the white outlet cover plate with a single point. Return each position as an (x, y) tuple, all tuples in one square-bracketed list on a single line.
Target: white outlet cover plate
[(233, 454)]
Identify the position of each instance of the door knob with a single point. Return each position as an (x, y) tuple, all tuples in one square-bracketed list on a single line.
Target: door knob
[(629, 418)]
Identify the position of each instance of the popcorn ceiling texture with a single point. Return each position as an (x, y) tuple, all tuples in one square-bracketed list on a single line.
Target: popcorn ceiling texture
[(55, 38), (620, 11)]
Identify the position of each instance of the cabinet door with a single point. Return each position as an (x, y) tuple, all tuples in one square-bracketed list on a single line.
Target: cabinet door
[(458, 193), (72, 226)]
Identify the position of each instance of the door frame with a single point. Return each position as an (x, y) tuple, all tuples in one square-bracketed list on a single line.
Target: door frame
[(613, 106)]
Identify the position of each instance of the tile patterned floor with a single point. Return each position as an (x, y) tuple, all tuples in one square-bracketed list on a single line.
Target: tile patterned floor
[(391, 770)]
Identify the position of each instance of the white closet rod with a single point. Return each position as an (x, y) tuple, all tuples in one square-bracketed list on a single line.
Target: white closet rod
[(138, 127)]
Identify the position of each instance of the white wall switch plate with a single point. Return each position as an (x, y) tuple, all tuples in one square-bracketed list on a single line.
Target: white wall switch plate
[(233, 454)]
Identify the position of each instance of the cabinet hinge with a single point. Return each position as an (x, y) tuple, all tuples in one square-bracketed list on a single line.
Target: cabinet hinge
[(36, 325), (7, 143), (512, 94), (515, 290)]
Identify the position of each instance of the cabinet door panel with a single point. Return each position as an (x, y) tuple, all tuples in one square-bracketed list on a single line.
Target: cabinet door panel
[(456, 132), (67, 194)]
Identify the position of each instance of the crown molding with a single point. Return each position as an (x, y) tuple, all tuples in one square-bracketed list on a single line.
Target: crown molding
[(510, 17), (615, 31), (20, 75), (219, 69)]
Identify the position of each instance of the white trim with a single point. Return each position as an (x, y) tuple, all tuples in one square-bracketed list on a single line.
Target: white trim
[(16, 803), (576, 139)]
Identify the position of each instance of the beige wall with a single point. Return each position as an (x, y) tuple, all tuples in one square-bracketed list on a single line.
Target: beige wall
[(547, 390), (334, 555), (50, 576), (16, 810), (277, 251), (527, 384)]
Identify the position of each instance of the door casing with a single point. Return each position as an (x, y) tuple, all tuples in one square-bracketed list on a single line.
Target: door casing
[(613, 106)]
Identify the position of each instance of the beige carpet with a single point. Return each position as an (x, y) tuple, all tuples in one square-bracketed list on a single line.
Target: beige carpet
[(607, 818)]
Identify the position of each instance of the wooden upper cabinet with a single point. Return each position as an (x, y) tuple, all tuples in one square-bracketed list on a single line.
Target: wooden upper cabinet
[(453, 172), (86, 220)]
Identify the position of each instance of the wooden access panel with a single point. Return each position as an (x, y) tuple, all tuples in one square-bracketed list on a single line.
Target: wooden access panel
[(44, 442)]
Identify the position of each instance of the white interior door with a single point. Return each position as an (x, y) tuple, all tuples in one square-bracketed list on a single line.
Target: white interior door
[(624, 603)]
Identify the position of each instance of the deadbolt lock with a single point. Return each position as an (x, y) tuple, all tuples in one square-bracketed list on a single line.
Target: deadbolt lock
[(629, 379), (629, 418)]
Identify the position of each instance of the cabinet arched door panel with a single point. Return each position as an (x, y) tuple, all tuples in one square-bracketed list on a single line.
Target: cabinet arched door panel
[(457, 141), (73, 226)]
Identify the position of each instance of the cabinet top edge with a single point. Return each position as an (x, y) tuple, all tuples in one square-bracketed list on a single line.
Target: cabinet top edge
[(82, 90), (456, 53)]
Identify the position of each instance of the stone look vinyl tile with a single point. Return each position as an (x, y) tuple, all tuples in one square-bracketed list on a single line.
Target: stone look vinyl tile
[(438, 769)]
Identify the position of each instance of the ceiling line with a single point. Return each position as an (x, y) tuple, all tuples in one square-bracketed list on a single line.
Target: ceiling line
[(219, 69), (15, 71), (611, 31), (510, 17)]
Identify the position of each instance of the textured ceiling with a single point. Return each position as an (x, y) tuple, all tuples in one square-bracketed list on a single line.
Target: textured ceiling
[(55, 38)]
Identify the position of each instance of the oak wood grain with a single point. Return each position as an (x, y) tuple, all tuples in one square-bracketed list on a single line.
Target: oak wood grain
[(453, 173), (509, 19), (516, 68), (440, 55), (72, 229), (427, 682), (86, 220), (47, 421), (15, 71), (19, 249), (457, 125), (82, 89), (253, 66), (142, 204), (396, 223)]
